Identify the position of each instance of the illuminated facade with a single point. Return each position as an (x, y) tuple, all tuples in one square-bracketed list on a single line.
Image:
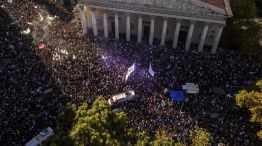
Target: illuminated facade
[(188, 21)]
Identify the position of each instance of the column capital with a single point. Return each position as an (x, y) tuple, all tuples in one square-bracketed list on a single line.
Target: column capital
[(127, 13), (221, 25), (93, 9), (115, 12), (152, 17), (165, 18), (192, 21), (104, 11), (81, 7), (218, 24), (179, 20), (206, 23)]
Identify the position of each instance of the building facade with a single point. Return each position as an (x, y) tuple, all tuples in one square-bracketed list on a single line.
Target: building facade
[(187, 21)]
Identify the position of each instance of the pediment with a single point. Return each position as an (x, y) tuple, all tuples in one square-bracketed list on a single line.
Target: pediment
[(188, 8), (182, 5)]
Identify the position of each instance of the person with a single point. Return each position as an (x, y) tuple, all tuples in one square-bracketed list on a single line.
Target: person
[(26, 73)]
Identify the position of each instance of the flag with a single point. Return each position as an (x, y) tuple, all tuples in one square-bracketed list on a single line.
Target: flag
[(41, 17), (41, 46), (150, 70), (103, 57), (26, 31), (130, 70)]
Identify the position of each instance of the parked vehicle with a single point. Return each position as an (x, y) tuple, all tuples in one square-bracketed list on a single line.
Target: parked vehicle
[(122, 97)]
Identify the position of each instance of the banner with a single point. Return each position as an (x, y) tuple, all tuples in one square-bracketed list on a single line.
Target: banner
[(130, 70), (150, 70)]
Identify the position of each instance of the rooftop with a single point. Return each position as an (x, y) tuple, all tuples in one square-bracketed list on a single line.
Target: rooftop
[(217, 3)]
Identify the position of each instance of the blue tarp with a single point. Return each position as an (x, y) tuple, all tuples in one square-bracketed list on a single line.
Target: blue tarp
[(177, 96)]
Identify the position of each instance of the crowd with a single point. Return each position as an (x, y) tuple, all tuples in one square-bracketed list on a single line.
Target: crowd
[(79, 69)]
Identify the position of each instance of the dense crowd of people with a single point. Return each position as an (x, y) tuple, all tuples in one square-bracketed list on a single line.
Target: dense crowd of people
[(78, 69)]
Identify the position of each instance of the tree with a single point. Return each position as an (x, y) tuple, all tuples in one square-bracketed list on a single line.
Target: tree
[(66, 117), (241, 32), (200, 137), (60, 139), (253, 102), (243, 9), (259, 7), (163, 140), (98, 125), (142, 139), (244, 36)]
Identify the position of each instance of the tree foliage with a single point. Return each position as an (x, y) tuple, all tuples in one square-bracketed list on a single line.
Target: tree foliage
[(253, 102), (243, 35), (163, 140), (243, 9), (66, 116), (200, 137), (241, 32), (60, 139), (259, 7), (99, 126), (142, 139)]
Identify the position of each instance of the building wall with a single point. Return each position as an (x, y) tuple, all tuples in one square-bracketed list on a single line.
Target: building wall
[(171, 25)]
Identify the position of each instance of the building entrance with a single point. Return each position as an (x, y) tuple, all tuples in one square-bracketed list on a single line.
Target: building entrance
[(113, 29), (146, 33)]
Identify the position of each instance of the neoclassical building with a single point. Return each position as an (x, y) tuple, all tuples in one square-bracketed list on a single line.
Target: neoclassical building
[(188, 21)]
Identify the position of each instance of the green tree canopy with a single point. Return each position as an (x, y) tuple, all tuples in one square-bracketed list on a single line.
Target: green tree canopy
[(243, 9), (259, 7), (163, 140), (241, 32), (200, 137), (99, 126), (66, 117), (253, 102), (60, 139)]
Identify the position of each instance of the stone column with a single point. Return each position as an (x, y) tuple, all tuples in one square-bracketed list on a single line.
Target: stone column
[(83, 19), (139, 33), (152, 30), (189, 35), (217, 38), (62, 2), (93, 13), (105, 24), (164, 28), (203, 38), (176, 35), (127, 27), (116, 26)]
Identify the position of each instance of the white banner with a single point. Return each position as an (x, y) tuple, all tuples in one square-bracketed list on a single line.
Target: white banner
[(150, 70), (130, 70)]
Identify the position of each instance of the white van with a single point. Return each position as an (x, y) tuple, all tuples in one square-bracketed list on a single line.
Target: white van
[(122, 97)]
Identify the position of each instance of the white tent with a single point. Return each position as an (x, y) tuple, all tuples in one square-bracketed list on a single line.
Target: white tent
[(191, 88)]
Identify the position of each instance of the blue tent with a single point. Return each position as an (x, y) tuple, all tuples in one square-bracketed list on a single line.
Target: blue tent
[(177, 96)]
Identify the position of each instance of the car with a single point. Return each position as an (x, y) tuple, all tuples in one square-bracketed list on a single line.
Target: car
[(121, 97)]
